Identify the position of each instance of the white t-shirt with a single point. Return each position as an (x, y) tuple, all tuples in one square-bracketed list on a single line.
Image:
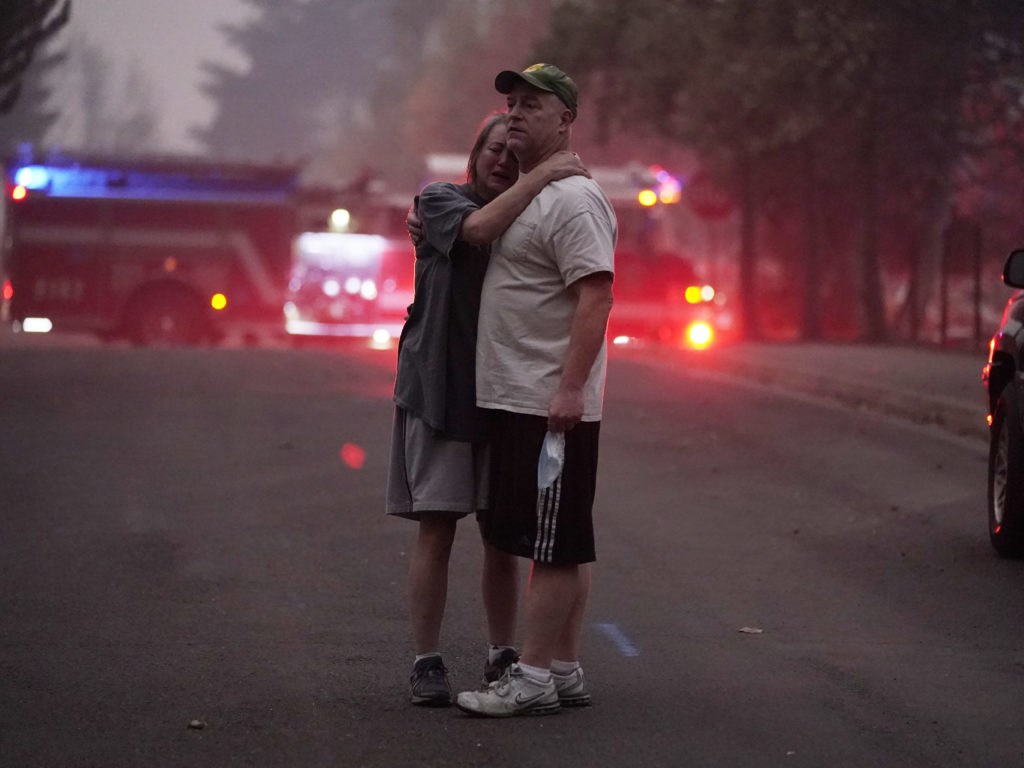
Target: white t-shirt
[(567, 232)]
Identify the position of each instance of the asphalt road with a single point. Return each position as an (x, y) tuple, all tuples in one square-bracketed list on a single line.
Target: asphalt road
[(197, 536)]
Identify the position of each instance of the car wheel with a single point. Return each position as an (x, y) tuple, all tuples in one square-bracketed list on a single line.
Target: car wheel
[(1006, 477)]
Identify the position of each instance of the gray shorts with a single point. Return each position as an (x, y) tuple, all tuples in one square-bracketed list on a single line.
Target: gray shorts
[(430, 473)]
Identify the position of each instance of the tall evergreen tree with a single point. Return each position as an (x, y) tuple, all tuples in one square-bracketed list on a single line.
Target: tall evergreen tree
[(32, 118), (365, 86), (311, 69), (117, 113), (24, 26)]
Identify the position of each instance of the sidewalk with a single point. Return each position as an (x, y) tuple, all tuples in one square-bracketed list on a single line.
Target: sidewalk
[(924, 385)]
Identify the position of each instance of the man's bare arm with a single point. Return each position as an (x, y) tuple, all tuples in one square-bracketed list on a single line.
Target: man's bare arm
[(587, 337)]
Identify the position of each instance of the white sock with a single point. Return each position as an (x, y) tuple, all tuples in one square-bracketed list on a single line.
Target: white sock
[(563, 668), (537, 674), (494, 651)]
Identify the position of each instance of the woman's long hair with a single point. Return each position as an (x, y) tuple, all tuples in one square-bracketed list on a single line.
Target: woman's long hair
[(481, 138)]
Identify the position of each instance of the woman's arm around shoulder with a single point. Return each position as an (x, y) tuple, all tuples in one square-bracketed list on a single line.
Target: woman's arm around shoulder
[(485, 225)]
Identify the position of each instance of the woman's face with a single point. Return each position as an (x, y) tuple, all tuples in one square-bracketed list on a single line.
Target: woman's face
[(496, 167)]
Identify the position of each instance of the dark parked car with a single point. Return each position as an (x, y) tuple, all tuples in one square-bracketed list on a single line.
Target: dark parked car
[(1005, 389)]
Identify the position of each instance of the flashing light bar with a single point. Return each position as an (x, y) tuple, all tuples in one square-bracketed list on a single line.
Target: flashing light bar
[(667, 189), (670, 189), (32, 177), (171, 183)]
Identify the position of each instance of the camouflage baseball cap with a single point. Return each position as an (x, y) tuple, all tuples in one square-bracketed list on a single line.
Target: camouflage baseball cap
[(547, 77)]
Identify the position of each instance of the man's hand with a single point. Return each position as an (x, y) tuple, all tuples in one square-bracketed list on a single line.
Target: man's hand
[(414, 225), (565, 409)]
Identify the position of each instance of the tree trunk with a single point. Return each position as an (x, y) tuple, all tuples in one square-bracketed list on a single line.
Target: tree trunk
[(872, 300), (811, 326), (749, 323), (925, 253)]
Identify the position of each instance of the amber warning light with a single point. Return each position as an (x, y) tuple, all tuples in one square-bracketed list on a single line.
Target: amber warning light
[(696, 294)]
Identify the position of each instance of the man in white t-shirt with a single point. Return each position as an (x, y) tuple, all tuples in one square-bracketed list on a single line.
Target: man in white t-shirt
[(540, 370)]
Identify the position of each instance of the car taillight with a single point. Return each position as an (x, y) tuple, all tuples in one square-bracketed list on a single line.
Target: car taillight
[(8, 290)]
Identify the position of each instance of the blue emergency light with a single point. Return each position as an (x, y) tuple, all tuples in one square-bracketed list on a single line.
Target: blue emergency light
[(158, 181), (32, 177)]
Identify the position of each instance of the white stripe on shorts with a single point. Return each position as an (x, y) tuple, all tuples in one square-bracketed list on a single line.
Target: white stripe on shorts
[(548, 500)]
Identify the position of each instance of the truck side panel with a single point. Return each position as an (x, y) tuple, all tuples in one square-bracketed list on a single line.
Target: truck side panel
[(85, 262)]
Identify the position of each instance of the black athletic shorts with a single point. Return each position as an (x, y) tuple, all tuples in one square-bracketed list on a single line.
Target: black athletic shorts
[(550, 526)]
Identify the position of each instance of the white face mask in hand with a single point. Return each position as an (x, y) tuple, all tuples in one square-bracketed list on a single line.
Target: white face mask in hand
[(552, 456)]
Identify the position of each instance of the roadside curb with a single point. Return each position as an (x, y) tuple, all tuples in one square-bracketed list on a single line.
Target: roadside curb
[(961, 417), (950, 415)]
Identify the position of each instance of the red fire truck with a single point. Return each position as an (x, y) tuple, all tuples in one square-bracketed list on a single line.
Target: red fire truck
[(161, 251), (659, 294)]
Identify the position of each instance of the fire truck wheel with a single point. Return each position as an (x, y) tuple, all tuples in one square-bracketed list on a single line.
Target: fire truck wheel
[(166, 318)]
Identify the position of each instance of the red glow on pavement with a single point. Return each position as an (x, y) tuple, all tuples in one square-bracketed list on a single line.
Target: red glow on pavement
[(352, 455)]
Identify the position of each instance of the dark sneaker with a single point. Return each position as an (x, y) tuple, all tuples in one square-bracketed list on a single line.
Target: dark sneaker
[(495, 669), (572, 689), (513, 694), (429, 682)]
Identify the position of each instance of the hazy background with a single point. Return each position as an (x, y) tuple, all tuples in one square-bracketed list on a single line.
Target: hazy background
[(843, 163), (165, 43), (349, 88)]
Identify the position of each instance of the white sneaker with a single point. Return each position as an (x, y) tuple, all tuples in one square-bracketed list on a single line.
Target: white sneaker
[(512, 694), (572, 689)]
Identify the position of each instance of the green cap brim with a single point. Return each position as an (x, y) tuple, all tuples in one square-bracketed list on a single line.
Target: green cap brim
[(507, 80)]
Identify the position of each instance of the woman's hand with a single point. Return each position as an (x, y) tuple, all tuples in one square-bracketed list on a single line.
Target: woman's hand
[(414, 225)]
